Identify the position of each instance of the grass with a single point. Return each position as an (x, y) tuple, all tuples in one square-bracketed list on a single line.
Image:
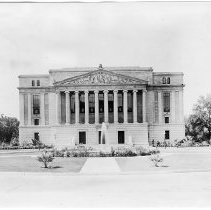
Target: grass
[(30, 164), (174, 160)]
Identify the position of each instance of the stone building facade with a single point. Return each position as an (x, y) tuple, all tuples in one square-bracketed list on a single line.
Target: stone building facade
[(69, 105)]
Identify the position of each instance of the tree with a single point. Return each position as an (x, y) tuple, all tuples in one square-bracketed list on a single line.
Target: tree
[(198, 125), (46, 158), (8, 129)]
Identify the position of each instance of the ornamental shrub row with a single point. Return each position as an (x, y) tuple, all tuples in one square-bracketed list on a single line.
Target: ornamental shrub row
[(123, 151)]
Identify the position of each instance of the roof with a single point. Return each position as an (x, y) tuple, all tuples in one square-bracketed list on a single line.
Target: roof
[(117, 68)]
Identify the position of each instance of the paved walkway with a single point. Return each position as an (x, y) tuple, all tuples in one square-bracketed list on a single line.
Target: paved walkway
[(100, 165)]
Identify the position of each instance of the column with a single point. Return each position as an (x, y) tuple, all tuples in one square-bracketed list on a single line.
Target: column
[(58, 107), (125, 106), (172, 104), (160, 107), (181, 112), (67, 99), (144, 105), (21, 108), (105, 106), (42, 108), (29, 109), (134, 106), (76, 106), (96, 107), (86, 106), (115, 106)]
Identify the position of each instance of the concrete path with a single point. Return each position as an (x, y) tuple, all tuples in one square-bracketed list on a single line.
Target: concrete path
[(100, 165)]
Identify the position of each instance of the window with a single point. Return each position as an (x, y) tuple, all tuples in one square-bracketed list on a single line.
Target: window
[(164, 80), (82, 137), (91, 103), (36, 121), (166, 119), (36, 136), (121, 137), (120, 102), (168, 80), (167, 135), (82, 102), (166, 102), (38, 82), (36, 104), (33, 83)]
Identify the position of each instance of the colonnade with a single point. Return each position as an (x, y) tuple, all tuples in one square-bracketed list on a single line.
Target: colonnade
[(96, 94)]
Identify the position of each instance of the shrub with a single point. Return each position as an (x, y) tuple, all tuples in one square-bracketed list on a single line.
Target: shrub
[(14, 142), (124, 152), (45, 158), (156, 159)]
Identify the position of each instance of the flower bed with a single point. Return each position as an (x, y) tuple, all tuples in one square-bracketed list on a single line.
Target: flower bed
[(123, 151)]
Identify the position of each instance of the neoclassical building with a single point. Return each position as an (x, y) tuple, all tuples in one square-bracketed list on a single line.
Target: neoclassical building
[(69, 105)]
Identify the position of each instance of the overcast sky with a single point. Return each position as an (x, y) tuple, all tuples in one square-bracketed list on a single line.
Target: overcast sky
[(166, 36)]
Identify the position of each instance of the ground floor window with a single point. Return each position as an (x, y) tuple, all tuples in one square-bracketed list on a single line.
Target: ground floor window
[(36, 122), (166, 119), (36, 136), (121, 137), (167, 134), (82, 137)]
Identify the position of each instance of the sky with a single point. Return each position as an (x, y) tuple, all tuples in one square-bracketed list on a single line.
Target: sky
[(168, 36)]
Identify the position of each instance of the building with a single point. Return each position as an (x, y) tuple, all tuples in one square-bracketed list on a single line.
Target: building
[(135, 103)]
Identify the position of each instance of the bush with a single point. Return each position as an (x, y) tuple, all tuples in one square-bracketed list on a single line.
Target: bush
[(124, 152), (156, 159), (15, 142), (45, 158)]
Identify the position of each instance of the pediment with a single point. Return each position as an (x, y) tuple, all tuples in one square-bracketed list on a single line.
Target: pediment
[(100, 77)]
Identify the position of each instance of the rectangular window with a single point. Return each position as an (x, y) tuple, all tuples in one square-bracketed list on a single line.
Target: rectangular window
[(166, 119), (38, 82), (166, 102), (167, 135), (82, 137), (36, 136), (36, 121), (36, 104), (33, 83), (121, 137)]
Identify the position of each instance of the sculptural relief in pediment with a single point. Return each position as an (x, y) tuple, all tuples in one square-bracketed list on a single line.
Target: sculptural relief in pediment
[(100, 78)]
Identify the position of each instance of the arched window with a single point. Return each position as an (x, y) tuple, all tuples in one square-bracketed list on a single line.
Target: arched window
[(164, 80), (168, 80)]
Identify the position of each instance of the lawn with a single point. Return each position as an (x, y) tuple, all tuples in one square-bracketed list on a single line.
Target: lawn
[(30, 164), (175, 160)]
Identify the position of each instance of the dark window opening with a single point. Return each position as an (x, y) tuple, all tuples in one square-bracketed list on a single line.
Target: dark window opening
[(36, 104), (168, 80), (121, 137), (36, 136), (164, 80), (120, 107), (166, 102), (167, 135), (38, 82), (36, 121), (166, 119), (82, 137), (33, 83)]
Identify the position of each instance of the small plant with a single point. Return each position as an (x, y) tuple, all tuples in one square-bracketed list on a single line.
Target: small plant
[(45, 158), (156, 159)]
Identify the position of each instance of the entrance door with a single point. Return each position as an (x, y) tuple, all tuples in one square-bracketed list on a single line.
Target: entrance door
[(82, 137), (121, 137)]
